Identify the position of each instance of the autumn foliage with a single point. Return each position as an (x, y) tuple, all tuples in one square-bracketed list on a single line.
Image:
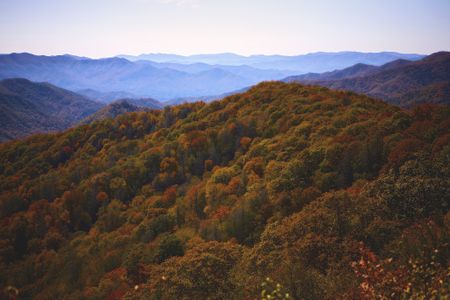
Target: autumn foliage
[(329, 194)]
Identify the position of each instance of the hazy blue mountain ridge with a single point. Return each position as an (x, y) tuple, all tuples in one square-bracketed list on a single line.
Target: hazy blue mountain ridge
[(401, 82), (141, 79), (312, 62)]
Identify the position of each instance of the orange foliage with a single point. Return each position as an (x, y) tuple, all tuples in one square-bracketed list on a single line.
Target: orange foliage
[(245, 142), (169, 196), (102, 197), (403, 150), (221, 213)]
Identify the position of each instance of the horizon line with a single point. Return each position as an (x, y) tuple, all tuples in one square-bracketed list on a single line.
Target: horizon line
[(221, 53)]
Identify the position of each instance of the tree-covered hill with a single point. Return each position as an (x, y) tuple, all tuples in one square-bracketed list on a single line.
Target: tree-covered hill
[(30, 107), (333, 195), (401, 82), (113, 110)]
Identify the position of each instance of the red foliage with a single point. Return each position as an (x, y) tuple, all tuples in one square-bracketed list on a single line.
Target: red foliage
[(422, 129), (377, 276), (425, 111), (354, 190), (169, 196), (441, 143), (197, 141), (245, 142), (403, 150), (344, 139), (234, 185), (67, 149), (221, 213), (102, 197), (117, 294)]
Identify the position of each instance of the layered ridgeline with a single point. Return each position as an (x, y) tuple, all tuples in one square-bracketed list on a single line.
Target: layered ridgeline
[(331, 194), (105, 97), (401, 82), (112, 78), (311, 62), (27, 107)]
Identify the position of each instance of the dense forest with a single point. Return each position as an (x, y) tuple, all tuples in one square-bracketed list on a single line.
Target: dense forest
[(281, 192), (113, 110)]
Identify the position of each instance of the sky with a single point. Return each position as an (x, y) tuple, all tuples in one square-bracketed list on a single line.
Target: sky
[(104, 28)]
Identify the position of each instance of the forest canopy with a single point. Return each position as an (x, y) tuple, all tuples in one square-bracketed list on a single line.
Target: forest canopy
[(330, 194)]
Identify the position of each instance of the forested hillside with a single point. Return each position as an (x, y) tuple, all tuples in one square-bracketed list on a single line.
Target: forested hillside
[(113, 110), (401, 82), (30, 107), (331, 194)]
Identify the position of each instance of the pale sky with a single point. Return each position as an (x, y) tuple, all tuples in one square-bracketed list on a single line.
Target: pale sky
[(100, 28)]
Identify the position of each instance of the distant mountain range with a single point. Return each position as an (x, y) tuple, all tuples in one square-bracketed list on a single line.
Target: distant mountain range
[(110, 97), (140, 79), (105, 97), (144, 102), (27, 107), (169, 77), (209, 98), (401, 82), (312, 62)]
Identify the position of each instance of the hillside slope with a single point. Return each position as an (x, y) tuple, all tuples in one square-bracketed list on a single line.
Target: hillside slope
[(401, 82), (27, 108), (333, 195), (113, 110)]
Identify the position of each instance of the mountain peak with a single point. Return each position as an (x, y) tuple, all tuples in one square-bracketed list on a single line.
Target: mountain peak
[(112, 110), (402, 82), (437, 56)]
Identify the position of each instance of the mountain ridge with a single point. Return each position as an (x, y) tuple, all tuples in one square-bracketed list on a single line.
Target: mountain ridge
[(113, 110), (236, 59), (166, 81), (202, 201), (400, 82), (110, 75), (29, 108)]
